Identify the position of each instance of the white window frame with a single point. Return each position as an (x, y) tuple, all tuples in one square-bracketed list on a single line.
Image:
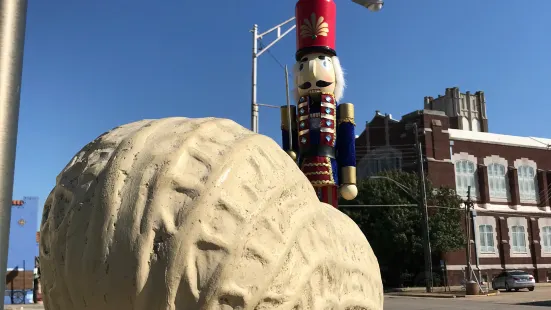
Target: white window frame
[(546, 239), (457, 157), (486, 233), (523, 222), (544, 222), (489, 221), (494, 159), (530, 163), (519, 231)]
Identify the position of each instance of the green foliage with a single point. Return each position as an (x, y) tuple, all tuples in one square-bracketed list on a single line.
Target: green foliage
[(395, 233)]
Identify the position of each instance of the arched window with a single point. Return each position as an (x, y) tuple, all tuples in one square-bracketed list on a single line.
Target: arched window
[(497, 179), (527, 183), (465, 176)]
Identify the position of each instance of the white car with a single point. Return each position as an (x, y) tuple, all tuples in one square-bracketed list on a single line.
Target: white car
[(514, 280)]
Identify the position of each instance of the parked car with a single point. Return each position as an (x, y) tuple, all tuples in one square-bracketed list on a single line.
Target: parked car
[(514, 280)]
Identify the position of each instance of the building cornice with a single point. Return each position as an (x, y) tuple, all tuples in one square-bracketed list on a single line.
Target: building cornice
[(499, 139)]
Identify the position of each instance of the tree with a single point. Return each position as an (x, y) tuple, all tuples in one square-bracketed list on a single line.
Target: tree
[(395, 233)]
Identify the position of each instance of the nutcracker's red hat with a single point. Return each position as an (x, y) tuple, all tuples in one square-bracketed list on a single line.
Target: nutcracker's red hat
[(316, 21)]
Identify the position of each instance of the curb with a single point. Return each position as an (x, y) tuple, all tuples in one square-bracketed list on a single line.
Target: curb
[(442, 295), (424, 295), (440, 289), (481, 295)]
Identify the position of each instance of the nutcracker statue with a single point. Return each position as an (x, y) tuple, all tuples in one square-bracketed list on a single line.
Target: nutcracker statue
[(322, 131)]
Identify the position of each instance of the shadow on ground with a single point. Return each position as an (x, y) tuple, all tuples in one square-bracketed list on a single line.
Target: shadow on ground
[(543, 303)]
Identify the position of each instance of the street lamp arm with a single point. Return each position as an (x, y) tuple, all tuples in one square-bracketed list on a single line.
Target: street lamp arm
[(276, 27), (279, 37), (268, 105)]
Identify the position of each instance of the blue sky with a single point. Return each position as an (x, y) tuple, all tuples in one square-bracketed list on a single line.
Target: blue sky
[(92, 65)]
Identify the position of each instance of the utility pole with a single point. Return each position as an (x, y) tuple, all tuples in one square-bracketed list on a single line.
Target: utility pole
[(468, 205), (12, 38), (424, 211), (471, 287)]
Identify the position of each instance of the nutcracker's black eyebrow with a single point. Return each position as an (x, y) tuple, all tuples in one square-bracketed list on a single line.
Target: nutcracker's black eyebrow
[(304, 59), (322, 57)]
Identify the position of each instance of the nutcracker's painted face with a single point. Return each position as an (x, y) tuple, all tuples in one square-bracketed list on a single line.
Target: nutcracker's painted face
[(318, 72)]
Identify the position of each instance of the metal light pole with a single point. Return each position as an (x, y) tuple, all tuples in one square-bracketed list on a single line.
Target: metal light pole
[(12, 37), (256, 54), (372, 5)]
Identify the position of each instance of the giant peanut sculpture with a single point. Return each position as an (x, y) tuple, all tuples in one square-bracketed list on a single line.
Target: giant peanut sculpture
[(189, 214)]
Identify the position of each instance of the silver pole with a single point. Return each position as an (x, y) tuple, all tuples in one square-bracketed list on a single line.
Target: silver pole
[(288, 109), (254, 106), (12, 37)]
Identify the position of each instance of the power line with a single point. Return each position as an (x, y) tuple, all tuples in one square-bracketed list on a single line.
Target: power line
[(273, 56)]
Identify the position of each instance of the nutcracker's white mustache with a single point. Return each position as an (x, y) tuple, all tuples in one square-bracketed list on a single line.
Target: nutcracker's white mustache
[(319, 83)]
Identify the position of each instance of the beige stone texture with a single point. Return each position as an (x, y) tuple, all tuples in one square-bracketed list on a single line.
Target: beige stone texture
[(193, 214)]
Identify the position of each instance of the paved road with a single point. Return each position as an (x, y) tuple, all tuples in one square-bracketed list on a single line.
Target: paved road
[(539, 299), (403, 303)]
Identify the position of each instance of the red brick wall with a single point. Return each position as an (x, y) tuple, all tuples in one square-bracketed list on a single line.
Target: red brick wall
[(18, 280)]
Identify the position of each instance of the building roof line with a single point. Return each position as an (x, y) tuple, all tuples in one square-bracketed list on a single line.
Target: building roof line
[(501, 139)]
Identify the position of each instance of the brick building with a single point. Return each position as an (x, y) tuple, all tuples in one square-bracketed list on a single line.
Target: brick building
[(510, 179), (22, 251)]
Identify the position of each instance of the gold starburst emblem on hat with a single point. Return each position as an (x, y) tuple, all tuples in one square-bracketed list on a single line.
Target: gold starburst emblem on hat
[(21, 222), (314, 27)]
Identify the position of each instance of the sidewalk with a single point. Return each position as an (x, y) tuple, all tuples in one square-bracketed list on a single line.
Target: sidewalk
[(441, 292)]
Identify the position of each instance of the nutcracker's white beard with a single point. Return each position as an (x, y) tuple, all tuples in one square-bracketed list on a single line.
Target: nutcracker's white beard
[(340, 83)]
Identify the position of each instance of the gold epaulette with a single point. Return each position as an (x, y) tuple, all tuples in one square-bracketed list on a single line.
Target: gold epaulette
[(346, 113)]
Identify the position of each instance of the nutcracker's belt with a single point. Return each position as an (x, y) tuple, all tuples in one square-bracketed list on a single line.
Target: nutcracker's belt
[(319, 150)]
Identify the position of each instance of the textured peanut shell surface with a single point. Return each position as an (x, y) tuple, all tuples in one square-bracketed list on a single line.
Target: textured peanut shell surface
[(192, 214)]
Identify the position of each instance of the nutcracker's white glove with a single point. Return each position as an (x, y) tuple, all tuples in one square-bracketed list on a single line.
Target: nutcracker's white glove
[(348, 191)]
